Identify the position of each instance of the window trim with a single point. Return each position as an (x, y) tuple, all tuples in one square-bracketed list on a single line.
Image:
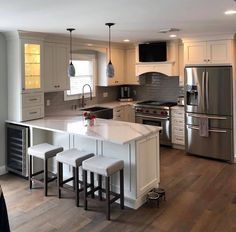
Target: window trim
[(85, 56)]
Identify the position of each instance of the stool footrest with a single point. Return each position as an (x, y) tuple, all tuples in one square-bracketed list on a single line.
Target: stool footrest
[(37, 173)]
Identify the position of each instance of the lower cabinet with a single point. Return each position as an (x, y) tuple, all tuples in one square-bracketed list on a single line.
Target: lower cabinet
[(32, 106), (177, 125), (124, 113)]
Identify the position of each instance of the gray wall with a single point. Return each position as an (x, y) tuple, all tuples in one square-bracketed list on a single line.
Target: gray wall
[(3, 98)]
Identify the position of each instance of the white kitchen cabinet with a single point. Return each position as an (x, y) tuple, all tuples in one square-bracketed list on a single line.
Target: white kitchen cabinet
[(177, 125), (130, 76), (181, 64), (25, 77), (118, 61), (56, 63), (208, 52), (124, 113)]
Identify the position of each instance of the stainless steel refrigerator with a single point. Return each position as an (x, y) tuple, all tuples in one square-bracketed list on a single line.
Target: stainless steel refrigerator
[(209, 112)]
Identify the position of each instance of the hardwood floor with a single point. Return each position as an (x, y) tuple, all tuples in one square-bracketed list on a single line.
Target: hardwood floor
[(201, 197)]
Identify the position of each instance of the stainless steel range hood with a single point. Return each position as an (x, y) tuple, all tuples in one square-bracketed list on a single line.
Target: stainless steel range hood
[(166, 68)]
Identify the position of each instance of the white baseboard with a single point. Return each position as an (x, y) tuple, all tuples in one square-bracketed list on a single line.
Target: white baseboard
[(3, 170)]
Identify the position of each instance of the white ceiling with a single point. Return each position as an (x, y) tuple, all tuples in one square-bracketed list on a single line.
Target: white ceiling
[(137, 20)]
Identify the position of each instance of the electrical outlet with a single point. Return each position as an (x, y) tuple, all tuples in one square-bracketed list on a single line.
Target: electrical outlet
[(105, 94), (48, 103)]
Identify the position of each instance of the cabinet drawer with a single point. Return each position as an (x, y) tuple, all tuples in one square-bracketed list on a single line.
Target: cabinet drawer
[(178, 122), (177, 113), (32, 113), (178, 130), (178, 140), (32, 99)]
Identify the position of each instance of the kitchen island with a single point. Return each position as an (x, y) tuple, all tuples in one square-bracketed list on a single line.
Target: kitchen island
[(136, 144)]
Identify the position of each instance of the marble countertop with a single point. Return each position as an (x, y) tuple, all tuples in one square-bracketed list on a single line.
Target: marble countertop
[(104, 130)]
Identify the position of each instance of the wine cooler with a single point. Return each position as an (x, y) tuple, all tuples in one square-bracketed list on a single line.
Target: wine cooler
[(17, 143)]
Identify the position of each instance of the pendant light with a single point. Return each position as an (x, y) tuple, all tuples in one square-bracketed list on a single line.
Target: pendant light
[(110, 69), (71, 68)]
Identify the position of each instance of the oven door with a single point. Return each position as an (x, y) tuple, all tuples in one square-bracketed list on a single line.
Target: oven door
[(163, 122)]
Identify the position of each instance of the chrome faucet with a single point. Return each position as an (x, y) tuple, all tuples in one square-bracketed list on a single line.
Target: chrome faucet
[(90, 92)]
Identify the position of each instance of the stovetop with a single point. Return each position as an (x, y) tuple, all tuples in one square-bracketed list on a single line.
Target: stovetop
[(156, 103)]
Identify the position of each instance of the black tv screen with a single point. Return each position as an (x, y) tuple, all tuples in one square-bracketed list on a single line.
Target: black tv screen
[(152, 52)]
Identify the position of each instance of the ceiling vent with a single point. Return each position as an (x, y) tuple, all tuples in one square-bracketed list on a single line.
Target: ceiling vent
[(167, 30)]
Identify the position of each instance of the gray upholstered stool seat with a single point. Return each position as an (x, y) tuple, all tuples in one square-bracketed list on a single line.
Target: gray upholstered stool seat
[(104, 166), (74, 158), (42, 151)]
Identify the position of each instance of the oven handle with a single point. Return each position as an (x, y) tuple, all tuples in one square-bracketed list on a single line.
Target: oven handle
[(152, 117)]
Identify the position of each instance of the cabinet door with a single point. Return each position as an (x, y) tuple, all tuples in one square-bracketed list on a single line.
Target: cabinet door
[(195, 53), (32, 66), (49, 77), (117, 58), (130, 77), (181, 65), (219, 52), (55, 67), (61, 65)]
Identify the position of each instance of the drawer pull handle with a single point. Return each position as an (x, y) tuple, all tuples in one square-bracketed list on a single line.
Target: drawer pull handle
[(33, 99), (33, 112)]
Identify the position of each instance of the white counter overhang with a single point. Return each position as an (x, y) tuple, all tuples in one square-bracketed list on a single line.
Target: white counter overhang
[(104, 130)]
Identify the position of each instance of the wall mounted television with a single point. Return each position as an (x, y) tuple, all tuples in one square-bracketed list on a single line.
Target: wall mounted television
[(153, 52)]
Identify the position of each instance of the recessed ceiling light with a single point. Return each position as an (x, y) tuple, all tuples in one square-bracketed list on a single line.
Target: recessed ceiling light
[(173, 36), (230, 12), (90, 45), (126, 40)]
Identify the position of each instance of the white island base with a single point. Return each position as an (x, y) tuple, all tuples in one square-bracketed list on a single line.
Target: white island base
[(140, 155)]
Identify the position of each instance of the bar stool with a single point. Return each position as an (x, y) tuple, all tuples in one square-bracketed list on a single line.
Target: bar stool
[(74, 158), (42, 151), (104, 167)]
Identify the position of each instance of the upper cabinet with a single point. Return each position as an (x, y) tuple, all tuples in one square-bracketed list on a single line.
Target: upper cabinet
[(117, 58), (56, 60), (208, 52), (130, 76)]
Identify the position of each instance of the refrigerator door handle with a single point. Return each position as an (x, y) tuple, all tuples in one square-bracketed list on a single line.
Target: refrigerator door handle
[(203, 90), (204, 115), (207, 90), (212, 130)]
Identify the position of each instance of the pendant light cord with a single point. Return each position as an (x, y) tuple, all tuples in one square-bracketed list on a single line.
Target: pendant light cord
[(109, 43), (70, 47)]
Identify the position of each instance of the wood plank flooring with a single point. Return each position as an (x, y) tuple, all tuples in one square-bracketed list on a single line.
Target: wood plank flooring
[(201, 197)]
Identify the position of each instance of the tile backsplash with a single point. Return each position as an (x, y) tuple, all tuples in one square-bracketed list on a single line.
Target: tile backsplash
[(152, 87), (157, 87)]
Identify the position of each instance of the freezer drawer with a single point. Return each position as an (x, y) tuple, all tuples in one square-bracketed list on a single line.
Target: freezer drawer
[(218, 145)]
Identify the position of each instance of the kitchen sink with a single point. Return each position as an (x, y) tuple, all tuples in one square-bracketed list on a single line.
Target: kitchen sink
[(100, 112), (94, 109)]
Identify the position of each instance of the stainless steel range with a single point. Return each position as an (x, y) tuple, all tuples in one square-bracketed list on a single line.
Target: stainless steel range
[(157, 114)]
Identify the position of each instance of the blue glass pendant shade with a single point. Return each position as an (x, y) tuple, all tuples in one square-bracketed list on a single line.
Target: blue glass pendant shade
[(71, 70), (110, 70)]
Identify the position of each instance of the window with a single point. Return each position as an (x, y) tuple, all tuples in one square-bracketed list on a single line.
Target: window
[(85, 73)]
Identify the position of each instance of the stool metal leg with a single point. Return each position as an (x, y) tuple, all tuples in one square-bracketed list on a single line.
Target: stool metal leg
[(122, 188), (59, 178), (74, 178), (76, 185), (92, 183), (100, 187), (45, 177), (30, 171), (108, 196), (85, 189)]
